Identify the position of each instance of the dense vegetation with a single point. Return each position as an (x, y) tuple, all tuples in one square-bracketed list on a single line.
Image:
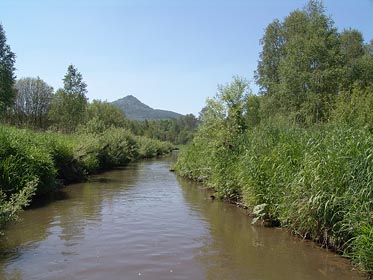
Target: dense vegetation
[(38, 162), (300, 153), (159, 124), (60, 137), (177, 131)]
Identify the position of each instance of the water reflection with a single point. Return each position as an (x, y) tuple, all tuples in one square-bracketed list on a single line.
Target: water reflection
[(63, 222), (143, 222), (234, 249)]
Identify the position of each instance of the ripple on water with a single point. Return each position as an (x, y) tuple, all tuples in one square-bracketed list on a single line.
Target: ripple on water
[(142, 222)]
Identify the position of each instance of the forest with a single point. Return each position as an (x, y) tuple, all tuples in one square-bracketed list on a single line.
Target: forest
[(299, 153)]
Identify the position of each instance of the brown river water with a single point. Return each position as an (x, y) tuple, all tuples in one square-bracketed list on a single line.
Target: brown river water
[(144, 222)]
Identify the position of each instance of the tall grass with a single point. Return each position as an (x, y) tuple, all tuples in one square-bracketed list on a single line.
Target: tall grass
[(316, 182)]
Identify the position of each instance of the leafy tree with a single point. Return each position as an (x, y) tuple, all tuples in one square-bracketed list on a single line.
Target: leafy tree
[(7, 77), (301, 65), (189, 121), (267, 74), (225, 113), (352, 44), (73, 82), (101, 115), (32, 102), (363, 68), (352, 48), (68, 108)]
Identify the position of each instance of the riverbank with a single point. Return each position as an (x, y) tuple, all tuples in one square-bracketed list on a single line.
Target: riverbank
[(36, 163), (142, 219), (316, 182)]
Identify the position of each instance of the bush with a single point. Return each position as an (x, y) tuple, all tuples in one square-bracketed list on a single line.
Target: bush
[(23, 160), (11, 206), (118, 147), (61, 150), (149, 148), (115, 147)]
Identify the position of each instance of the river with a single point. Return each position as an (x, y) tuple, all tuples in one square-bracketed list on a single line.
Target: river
[(144, 222)]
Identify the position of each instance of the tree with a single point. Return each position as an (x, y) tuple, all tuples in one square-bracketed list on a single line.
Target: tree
[(352, 48), (267, 74), (7, 76), (362, 70), (73, 83), (352, 44), (32, 103), (301, 65), (68, 108), (223, 118), (101, 115)]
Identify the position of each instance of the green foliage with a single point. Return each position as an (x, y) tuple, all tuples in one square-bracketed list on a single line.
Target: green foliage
[(225, 113), (363, 248), (61, 150), (355, 107), (315, 181), (157, 124), (103, 115), (305, 63), (7, 77), (253, 110), (22, 160), (73, 82), (148, 148), (194, 160), (115, 147), (118, 148), (32, 162), (10, 207), (177, 131), (217, 143), (68, 106)]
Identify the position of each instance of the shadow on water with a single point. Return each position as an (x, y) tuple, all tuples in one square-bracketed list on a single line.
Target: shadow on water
[(64, 215), (44, 200), (235, 249), (61, 194)]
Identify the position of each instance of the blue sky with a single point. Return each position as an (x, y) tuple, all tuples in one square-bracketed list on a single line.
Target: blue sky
[(170, 54)]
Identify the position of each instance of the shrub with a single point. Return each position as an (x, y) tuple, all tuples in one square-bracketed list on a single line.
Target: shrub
[(11, 205), (22, 160)]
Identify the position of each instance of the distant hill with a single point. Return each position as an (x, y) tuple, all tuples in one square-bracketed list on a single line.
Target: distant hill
[(136, 110)]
